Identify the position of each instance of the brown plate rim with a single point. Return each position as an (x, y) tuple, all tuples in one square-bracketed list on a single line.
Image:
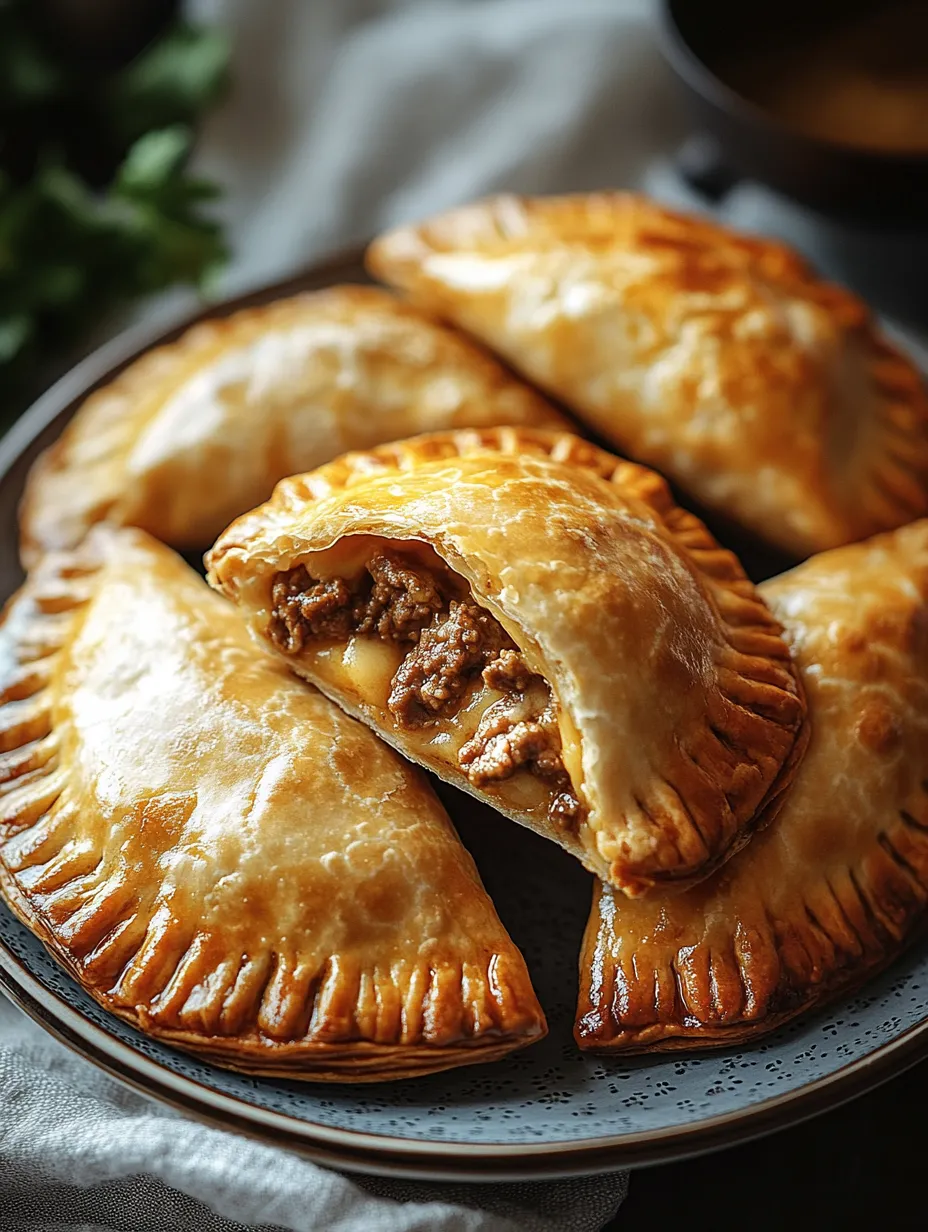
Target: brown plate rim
[(352, 1150)]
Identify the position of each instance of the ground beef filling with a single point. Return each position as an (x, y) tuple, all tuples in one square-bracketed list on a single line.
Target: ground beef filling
[(452, 640), (434, 677), (518, 730), (391, 600)]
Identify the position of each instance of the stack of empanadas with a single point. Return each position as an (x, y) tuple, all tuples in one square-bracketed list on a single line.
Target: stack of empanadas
[(203, 816)]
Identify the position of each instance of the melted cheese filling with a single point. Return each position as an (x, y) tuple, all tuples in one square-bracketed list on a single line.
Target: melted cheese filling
[(364, 667)]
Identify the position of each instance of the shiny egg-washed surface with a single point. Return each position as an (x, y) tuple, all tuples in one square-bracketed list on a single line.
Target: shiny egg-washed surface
[(220, 855), (721, 360), (266, 392)]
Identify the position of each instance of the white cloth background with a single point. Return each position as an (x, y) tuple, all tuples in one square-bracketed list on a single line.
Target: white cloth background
[(350, 115), (346, 115), (80, 1152)]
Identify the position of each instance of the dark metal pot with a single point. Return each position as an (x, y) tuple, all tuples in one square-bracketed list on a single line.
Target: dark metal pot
[(736, 138)]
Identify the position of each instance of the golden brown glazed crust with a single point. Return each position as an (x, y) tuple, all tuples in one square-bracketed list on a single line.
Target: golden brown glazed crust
[(833, 889), (195, 433), (681, 716), (721, 359), (222, 857)]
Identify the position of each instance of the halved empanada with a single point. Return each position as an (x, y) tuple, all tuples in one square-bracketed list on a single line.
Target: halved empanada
[(221, 856), (538, 623), (838, 883), (195, 433), (722, 360)]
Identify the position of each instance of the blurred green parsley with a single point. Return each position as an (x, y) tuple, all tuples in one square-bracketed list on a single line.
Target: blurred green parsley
[(97, 206)]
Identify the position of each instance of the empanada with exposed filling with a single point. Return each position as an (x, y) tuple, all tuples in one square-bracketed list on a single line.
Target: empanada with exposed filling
[(196, 432), (832, 890), (219, 854), (538, 623), (765, 393)]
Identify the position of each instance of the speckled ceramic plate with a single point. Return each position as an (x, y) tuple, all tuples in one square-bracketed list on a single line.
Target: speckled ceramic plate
[(548, 1111)]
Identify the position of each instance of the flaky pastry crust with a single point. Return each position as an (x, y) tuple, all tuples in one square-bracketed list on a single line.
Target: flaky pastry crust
[(222, 857), (721, 359), (680, 715), (196, 432), (833, 889)]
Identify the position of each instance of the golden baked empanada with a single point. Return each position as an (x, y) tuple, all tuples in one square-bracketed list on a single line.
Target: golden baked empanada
[(195, 433), (721, 359), (538, 623), (219, 854), (832, 889)]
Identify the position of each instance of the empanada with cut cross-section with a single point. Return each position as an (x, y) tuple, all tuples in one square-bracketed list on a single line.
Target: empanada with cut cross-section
[(537, 622)]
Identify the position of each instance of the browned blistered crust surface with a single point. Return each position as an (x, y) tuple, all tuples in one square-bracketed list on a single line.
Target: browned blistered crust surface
[(722, 359), (194, 433), (834, 888), (218, 853)]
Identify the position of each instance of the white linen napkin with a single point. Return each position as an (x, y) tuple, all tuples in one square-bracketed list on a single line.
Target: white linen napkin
[(345, 116), (78, 1151)]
